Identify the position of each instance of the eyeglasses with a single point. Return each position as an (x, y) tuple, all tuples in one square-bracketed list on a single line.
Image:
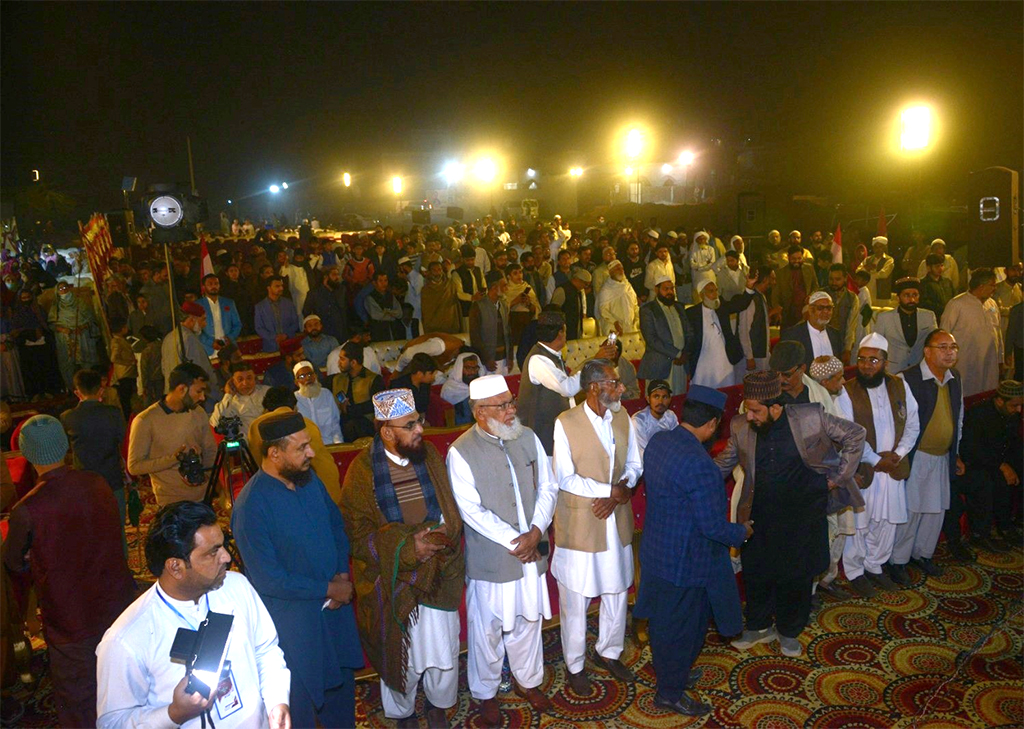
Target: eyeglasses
[(868, 360), (615, 383), (945, 347), (412, 424), (503, 406)]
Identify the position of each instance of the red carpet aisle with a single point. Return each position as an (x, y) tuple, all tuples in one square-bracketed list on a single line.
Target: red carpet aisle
[(867, 664)]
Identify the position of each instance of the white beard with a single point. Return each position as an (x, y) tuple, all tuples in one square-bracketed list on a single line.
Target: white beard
[(505, 432), (713, 304), (613, 405), (310, 391)]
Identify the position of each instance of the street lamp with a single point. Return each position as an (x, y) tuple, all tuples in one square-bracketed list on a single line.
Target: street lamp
[(347, 179), (284, 185), (531, 173), (686, 158), (915, 128), (274, 189)]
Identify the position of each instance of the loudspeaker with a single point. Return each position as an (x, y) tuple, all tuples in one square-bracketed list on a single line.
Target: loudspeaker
[(456, 213), (993, 222), (122, 227), (420, 217), (750, 214)]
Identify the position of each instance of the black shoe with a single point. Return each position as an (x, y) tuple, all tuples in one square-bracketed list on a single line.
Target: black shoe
[(833, 591), (959, 553), (695, 674), (579, 682), (882, 580), (926, 565), (898, 573), (685, 706), (863, 587), (987, 544)]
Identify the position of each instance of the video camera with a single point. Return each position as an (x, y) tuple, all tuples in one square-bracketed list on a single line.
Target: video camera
[(230, 427), (190, 466), (203, 651)]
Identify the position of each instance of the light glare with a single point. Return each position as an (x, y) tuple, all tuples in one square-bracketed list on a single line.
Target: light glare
[(485, 169), (634, 143), (275, 189), (396, 185), (530, 172), (284, 185), (453, 172), (686, 158), (666, 169), (915, 127), (347, 179), (629, 171), (576, 171)]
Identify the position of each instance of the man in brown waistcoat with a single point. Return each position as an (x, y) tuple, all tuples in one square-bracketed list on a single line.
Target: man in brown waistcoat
[(597, 464), (503, 484)]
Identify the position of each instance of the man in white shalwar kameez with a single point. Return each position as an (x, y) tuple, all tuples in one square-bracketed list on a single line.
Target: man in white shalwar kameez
[(702, 262), (713, 368), (506, 544), (659, 267), (973, 320), (617, 302), (866, 401), (317, 403), (597, 464)]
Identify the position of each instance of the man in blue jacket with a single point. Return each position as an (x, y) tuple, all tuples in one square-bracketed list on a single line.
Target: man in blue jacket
[(292, 539), (686, 573), (222, 320)]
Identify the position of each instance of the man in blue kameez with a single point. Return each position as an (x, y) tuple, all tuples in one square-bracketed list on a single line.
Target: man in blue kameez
[(292, 539)]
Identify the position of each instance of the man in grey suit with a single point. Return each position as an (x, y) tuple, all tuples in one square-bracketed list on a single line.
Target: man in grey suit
[(906, 327), (665, 329)]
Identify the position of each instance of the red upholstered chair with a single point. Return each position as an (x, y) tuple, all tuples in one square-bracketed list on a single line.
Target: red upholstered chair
[(977, 399), (513, 383), (442, 438), (634, 406), (250, 345), (343, 455), (440, 412), (262, 360)]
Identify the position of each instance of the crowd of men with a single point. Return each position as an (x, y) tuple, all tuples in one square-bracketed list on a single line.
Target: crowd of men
[(865, 473)]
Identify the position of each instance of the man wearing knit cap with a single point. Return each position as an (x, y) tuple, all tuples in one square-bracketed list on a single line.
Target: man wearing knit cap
[(405, 530), (814, 333), (658, 267), (597, 464), (828, 371), (667, 331), (687, 576), (316, 345), (879, 267), (991, 452), (316, 402), (571, 298), (67, 531), (798, 463), (788, 360), (657, 416), (937, 388), (280, 373), (292, 539), (506, 493), (886, 407), (167, 429), (906, 327), (191, 320)]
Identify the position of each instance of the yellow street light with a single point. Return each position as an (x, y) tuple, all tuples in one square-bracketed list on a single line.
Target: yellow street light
[(634, 143), (576, 171), (915, 128), (485, 169), (396, 184), (347, 179), (686, 158), (629, 171)]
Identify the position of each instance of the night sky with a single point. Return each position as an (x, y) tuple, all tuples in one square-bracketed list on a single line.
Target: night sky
[(302, 91)]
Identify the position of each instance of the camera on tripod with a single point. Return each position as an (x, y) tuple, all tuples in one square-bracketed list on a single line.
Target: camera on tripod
[(190, 466), (230, 427)]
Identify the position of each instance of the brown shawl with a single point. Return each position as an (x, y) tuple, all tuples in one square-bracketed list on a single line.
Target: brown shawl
[(390, 584)]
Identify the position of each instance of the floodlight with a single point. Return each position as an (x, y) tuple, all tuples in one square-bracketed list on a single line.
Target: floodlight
[(530, 172), (453, 172), (347, 179), (166, 211), (396, 184), (284, 185), (686, 158), (485, 169), (915, 127), (629, 171), (634, 143), (576, 171), (275, 189), (666, 169)]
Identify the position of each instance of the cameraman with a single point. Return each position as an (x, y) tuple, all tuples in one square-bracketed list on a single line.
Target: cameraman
[(242, 397), (167, 429), (139, 685)]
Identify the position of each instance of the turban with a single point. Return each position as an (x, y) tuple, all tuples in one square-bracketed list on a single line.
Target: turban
[(391, 404), (701, 234), (763, 385), (736, 238)]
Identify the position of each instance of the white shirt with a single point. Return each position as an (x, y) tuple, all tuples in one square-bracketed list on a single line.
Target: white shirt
[(323, 411), (655, 269), (433, 346), (645, 425), (370, 360), (215, 314), (617, 302), (595, 573), (713, 367), (247, 407), (820, 344), (542, 371), (527, 596), (412, 296), (135, 675)]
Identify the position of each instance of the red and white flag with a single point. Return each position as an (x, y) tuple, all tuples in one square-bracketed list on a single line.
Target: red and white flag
[(206, 267), (837, 244)]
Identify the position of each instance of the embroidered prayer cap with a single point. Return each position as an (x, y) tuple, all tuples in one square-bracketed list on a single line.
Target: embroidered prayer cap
[(289, 346), (907, 282), (654, 385), (763, 385), (310, 318), (1008, 390), (825, 367), (787, 355), (391, 404), (879, 239), (281, 425), (875, 341), (707, 395), (818, 296), (582, 274), (652, 233), (301, 365), (42, 440), (191, 308), (487, 386), (660, 279), (615, 263), (672, 234), (775, 232)]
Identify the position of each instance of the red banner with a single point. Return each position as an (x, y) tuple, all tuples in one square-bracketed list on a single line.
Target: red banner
[(98, 247)]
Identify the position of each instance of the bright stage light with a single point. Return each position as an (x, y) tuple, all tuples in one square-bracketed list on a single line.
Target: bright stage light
[(453, 172), (629, 171), (634, 143), (915, 128), (396, 185), (576, 171), (485, 169), (229, 202), (531, 173), (284, 185), (666, 169), (347, 179), (686, 158), (275, 189)]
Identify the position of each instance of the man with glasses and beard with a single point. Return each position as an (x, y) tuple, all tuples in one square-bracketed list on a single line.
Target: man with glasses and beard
[(316, 402), (292, 539), (506, 493), (885, 406), (814, 333), (597, 464), (798, 463), (166, 429), (409, 567)]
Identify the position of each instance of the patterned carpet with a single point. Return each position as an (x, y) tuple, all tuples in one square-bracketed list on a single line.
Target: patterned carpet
[(894, 662)]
